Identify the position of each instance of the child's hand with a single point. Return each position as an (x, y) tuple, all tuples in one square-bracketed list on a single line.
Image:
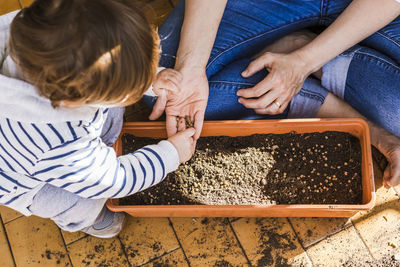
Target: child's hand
[(184, 144), (165, 86)]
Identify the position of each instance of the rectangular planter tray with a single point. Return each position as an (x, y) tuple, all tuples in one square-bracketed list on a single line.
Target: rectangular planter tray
[(356, 127)]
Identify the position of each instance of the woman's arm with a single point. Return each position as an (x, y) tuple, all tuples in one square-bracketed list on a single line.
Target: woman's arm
[(288, 71), (202, 18), (200, 25), (361, 19)]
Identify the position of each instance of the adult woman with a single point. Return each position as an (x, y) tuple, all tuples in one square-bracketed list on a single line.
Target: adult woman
[(247, 27)]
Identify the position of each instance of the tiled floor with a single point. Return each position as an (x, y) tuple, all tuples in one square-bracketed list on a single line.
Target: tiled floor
[(365, 237)]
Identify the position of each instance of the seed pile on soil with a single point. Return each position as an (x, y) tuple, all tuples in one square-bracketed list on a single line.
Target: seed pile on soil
[(312, 168)]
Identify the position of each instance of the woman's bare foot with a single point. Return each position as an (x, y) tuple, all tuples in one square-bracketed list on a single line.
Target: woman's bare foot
[(290, 42), (389, 145)]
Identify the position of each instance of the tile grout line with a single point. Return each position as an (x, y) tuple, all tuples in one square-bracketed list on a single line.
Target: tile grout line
[(298, 240), (123, 249), (362, 240), (13, 219), (346, 226), (79, 239), (158, 257), (179, 242), (240, 244), (65, 246), (8, 241)]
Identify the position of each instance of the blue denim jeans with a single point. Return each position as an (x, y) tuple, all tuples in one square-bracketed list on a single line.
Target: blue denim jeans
[(248, 26), (370, 82)]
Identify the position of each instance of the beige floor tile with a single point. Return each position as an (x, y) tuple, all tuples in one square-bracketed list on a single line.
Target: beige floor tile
[(209, 242), (92, 251), (175, 258), (147, 238), (270, 242), (380, 228), (26, 3), (336, 250), (36, 242), (5, 252), (8, 214), (312, 230), (8, 6), (71, 237)]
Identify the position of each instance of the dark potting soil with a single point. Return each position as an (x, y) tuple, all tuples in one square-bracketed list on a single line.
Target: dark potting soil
[(313, 168)]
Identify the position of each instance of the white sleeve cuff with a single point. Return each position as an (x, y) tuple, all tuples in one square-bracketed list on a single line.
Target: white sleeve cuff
[(169, 155)]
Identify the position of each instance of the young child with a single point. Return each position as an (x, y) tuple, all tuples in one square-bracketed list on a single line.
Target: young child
[(64, 67)]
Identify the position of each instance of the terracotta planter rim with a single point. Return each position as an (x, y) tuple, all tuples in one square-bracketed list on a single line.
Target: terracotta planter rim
[(355, 126)]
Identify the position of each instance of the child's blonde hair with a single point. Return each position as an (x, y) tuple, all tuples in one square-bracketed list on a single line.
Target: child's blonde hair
[(91, 51)]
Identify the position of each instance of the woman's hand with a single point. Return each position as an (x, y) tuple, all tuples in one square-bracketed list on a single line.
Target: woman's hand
[(166, 85), (192, 101), (181, 93), (287, 73)]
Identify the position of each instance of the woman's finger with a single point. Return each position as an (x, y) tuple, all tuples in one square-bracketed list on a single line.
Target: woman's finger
[(272, 109), (159, 106), (198, 123), (261, 102), (171, 125), (258, 64)]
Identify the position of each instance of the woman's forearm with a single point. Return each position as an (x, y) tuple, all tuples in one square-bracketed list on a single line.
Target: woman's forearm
[(360, 19), (200, 25)]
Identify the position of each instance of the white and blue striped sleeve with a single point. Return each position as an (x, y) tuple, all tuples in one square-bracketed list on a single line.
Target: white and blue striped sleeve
[(94, 170)]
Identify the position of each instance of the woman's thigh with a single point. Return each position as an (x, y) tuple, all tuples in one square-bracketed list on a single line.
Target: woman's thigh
[(246, 28), (369, 81), (223, 102), (386, 40), (373, 88)]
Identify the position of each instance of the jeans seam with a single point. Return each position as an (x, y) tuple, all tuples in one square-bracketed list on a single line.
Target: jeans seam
[(234, 83), (313, 95), (257, 36), (379, 59), (384, 35), (323, 12)]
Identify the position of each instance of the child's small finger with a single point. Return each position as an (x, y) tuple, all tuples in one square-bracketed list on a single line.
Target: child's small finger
[(171, 125), (177, 75), (189, 132), (172, 86)]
